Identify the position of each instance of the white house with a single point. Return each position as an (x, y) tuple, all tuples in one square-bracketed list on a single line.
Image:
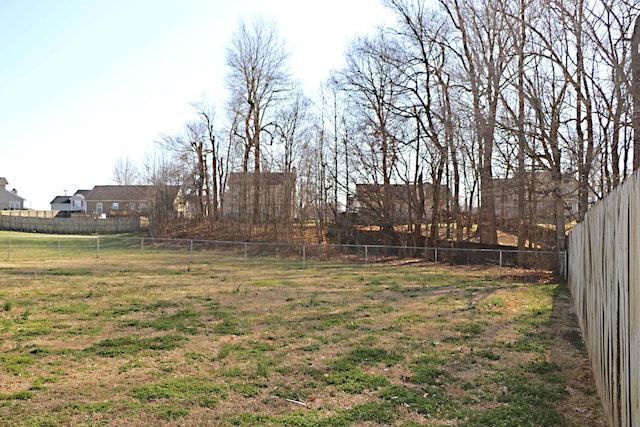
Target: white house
[(67, 205), (9, 199)]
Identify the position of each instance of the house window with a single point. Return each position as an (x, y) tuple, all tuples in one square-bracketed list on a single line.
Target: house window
[(14, 205), (115, 206), (99, 207)]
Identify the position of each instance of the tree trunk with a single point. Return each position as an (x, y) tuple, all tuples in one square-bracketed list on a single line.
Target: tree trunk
[(521, 172)]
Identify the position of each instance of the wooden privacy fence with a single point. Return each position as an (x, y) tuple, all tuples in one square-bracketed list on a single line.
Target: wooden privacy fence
[(603, 274), (70, 225)]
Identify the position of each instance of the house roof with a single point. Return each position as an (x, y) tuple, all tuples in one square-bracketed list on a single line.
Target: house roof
[(67, 199), (10, 195), (265, 178), (59, 200), (132, 193)]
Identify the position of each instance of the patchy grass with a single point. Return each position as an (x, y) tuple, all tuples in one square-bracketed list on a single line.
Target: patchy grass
[(140, 339)]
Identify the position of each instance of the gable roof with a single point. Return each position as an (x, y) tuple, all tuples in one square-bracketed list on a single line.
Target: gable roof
[(60, 199), (82, 193), (265, 178), (129, 193), (67, 199), (9, 194)]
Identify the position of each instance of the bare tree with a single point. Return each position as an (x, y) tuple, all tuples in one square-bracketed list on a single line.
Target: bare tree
[(576, 71), (163, 180), (217, 170), (291, 129), (608, 24), (548, 92), (257, 79), (125, 172), (193, 152), (336, 129), (292, 134), (317, 173), (426, 64), (519, 15), (370, 78), (484, 48)]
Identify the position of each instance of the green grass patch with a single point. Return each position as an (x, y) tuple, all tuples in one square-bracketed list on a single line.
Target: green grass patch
[(69, 272), (429, 401), (248, 390), (487, 354), (131, 345), (229, 327), (187, 321), (354, 381), (198, 391), (468, 329), (19, 362), (18, 395), (371, 356), (517, 414), (427, 374)]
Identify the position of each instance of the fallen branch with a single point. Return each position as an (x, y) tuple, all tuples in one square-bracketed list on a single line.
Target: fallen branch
[(297, 402)]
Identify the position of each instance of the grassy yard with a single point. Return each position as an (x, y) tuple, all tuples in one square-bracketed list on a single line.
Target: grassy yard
[(222, 340)]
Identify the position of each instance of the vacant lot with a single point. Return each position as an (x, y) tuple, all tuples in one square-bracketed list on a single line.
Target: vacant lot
[(163, 339)]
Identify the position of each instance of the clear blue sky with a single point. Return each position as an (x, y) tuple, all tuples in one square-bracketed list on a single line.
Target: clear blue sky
[(84, 83)]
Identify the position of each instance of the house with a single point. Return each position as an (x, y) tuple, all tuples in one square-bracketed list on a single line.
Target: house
[(9, 199), (135, 200), (540, 195), (68, 205), (404, 199), (118, 200), (276, 195)]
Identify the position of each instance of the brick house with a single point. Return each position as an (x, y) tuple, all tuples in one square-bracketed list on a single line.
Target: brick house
[(540, 196), (276, 199), (369, 202), (133, 200)]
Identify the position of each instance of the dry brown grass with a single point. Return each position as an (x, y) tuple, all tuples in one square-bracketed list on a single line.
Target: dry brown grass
[(158, 340)]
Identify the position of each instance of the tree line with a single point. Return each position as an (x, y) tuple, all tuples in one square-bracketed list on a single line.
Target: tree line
[(460, 97)]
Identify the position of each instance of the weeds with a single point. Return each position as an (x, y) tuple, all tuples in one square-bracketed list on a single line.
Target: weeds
[(131, 345), (93, 343), (187, 321), (187, 390), (352, 380)]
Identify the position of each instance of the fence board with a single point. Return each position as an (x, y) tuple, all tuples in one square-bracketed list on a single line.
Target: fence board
[(603, 273), (70, 225), (633, 256)]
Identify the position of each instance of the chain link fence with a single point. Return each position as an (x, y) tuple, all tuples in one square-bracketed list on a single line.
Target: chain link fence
[(18, 247)]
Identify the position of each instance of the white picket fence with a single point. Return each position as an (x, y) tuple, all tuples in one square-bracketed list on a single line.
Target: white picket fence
[(604, 273)]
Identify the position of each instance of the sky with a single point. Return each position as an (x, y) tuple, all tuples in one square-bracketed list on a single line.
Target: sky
[(85, 83)]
